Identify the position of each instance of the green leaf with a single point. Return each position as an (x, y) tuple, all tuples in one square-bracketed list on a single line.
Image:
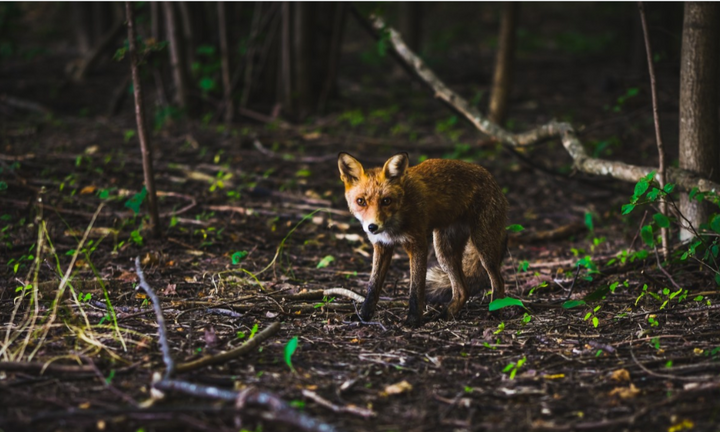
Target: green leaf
[(325, 261), (669, 187), (595, 321), (640, 188), (715, 224), (238, 257), (647, 235), (515, 228), (717, 278), (661, 220), (651, 175), (627, 208), (504, 302), (572, 304), (290, 348), (589, 221), (653, 194), (207, 83), (136, 201)]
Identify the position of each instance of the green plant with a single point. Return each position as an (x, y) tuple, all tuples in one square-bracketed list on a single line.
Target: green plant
[(288, 352), (513, 367), (595, 321), (324, 302)]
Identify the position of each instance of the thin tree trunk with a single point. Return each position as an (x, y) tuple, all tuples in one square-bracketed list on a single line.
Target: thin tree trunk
[(155, 20), (302, 59), (81, 16), (658, 135), (189, 35), (225, 63), (286, 59), (334, 55), (699, 148), (504, 64), (177, 57), (410, 24), (145, 145), (250, 56)]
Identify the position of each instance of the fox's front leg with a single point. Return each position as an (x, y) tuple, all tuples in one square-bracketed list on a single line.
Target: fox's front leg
[(381, 263), (418, 253)]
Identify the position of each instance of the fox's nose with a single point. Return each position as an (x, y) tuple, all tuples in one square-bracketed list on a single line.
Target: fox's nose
[(372, 227)]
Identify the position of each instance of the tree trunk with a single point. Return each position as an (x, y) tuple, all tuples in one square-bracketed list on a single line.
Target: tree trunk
[(699, 148), (504, 64), (81, 16), (302, 59), (410, 24), (145, 145), (225, 63), (177, 55), (334, 52)]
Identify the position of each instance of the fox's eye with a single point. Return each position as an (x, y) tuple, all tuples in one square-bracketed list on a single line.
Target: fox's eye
[(361, 202), (386, 201)]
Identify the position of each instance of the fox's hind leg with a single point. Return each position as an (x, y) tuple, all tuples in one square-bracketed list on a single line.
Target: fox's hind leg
[(491, 249), (449, 248)]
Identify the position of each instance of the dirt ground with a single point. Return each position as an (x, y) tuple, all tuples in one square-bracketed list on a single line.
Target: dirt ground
[(255, 226)]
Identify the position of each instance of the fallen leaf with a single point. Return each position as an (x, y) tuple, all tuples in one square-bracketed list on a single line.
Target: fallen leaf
[(150, 259), (170, 290), (625, 392), (87, 190), (620, 375), (311, 136), (398, 388), (127, 276)]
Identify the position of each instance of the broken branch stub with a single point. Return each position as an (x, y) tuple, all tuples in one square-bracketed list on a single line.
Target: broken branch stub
[(564, 131)]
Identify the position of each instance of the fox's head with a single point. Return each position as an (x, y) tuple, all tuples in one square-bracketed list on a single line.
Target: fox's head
[(375, 196)]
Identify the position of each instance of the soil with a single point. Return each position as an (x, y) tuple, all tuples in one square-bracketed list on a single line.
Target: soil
[(255, 226)]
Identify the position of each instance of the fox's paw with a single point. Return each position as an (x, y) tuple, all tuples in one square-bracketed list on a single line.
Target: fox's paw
[(413, 321)]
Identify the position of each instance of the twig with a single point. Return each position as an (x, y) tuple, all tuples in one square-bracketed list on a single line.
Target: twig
[(706, 378), (665, 272), (162, 332), (345, 293), (233, 353), (658, 136), (44, 367), (362, 412)]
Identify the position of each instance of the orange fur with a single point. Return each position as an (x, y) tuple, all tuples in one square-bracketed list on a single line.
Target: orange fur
[(459, 203)]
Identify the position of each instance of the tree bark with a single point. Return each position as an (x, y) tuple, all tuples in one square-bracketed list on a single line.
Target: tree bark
[(145, 145), (225, 63), (410, 24), (504, 64), (177, 55), (286, 58), (335, 50), (699, 147)]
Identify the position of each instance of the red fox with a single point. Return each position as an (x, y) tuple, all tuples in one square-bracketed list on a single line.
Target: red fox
[(459, 203)]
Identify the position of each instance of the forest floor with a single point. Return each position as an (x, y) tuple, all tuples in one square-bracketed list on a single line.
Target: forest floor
[(255, 226)]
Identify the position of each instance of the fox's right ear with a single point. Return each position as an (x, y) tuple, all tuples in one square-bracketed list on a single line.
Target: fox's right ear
[(351, 170)]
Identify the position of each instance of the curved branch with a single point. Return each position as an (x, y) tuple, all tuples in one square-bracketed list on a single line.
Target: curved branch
[(581, 160)]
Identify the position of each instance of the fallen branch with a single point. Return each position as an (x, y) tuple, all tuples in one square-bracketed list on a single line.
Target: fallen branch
[(276, 408), (362, 412), (233, 353), (565, 132)]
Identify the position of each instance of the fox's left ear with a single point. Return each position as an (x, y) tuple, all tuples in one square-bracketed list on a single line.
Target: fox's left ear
[(396, 166)]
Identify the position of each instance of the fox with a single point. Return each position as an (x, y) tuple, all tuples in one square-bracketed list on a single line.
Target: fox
[(459, 203)]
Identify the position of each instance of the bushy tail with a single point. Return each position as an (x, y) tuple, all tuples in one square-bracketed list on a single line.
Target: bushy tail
[(438, 288)]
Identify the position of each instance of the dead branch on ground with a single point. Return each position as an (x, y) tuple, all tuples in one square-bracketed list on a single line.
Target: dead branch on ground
[(275, 408)]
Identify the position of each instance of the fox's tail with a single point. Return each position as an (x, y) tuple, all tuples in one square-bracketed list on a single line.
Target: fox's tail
[(438, 289)]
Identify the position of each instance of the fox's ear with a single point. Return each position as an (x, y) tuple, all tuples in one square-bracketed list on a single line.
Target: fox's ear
[(351, 170), (396, 166)]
